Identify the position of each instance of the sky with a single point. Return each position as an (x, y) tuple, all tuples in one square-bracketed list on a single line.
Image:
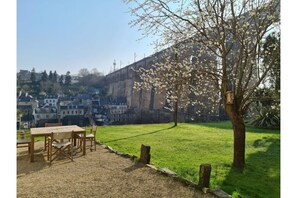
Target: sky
[(69, 35)]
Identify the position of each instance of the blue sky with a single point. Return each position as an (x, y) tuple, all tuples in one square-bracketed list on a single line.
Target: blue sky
[(67, 35)]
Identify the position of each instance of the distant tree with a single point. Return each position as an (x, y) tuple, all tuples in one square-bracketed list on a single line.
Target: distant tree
[(55, 77), (83, 72), (67, 78), (45, 86), (34, 86), (61, 80), (95, 72), (44, 76), (265, 111), (95, 79), (271, 51), (50, 76), (89, 79), (33, 76), (83, 79), (228, 31)]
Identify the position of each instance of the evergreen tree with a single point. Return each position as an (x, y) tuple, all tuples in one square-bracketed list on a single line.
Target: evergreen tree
[(55, 77), (68, 78), (61, 80), (50, 76), (33, 75), (44, 76)]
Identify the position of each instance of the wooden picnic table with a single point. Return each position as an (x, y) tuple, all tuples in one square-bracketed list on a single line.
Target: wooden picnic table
[(46, 131)]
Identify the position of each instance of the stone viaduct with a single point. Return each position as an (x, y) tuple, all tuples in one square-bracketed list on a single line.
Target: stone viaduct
[(147, 105)]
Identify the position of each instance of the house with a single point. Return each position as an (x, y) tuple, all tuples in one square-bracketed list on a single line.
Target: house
[(51, 100), (72, 108), (27, 100), (26, 105), (116, 110), (45, 114), (72, 113), (99, 111), (107, 109), (84, 99)]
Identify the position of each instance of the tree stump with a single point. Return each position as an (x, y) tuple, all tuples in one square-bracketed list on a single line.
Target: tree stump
[(145, 155), (204, 175)]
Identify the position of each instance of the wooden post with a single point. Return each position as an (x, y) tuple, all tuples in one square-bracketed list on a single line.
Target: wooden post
[(145, 155), (204, 175)]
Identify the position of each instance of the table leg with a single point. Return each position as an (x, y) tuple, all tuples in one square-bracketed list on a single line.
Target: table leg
[(32, 149), (84, 143)]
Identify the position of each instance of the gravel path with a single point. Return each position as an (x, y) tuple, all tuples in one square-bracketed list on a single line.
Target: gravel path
[(97, 174)]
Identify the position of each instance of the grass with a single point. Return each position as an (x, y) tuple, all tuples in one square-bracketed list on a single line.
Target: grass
[(183, 148)]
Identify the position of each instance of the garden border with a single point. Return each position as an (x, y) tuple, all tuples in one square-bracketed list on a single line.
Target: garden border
[(217, 192)]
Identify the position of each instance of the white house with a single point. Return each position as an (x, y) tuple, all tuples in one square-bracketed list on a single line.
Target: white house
[(51, 100)]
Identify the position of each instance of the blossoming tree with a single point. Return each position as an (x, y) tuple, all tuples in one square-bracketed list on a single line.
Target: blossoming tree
[(177, 79), (231, 31)]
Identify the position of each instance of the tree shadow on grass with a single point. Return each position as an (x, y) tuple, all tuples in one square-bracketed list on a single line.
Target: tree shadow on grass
[(261, 176), (218, 125), (228, 125), (143, 134)]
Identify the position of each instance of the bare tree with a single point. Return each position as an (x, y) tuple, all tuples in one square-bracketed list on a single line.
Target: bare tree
[(229, 30), (83, 72)]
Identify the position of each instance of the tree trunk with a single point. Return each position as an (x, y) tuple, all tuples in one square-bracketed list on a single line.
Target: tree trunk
[(239, 137), (175, 113), (239, 143)]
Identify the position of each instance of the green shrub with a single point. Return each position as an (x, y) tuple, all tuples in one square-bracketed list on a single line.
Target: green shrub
[(265, 117)]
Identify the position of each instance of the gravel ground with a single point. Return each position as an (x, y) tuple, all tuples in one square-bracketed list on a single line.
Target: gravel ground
[(97, 174)]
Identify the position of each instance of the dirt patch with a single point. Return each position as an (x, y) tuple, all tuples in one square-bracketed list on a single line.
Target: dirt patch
[(97, 174)]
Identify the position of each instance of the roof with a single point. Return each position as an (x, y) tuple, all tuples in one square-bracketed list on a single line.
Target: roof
[(26, 98), (51, 96), (103, 101), (84, 97), (45, 110)]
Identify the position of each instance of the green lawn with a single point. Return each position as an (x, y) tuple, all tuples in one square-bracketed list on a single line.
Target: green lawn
[(183, 148)]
